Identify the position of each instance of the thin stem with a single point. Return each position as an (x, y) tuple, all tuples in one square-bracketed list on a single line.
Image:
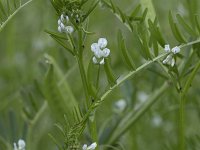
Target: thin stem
[(131, 74), (182, 124), (98, 75), (92, 123), (182, 107), (142, 67), (83, 78)]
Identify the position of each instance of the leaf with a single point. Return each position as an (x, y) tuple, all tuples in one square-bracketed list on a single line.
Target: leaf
[(175, 30), (155, 48), (91, 9), (156, 33), (185, 25), (122, 15), (56, 35), (109, 72), (144, 15), (63, 45), (135, 12), (60, 98), (113, 6), (8, 6), (197, 23), (91, 80), (146, 47), (190, 79), (2, 8), (125, 54)]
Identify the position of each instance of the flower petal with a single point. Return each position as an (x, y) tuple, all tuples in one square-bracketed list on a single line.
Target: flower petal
[(94, 47), (106, 52), (102, 62), (84, 147), (102, 42), (176, 50), (92, 146), (167, 48), (21, 144), (69, 29)]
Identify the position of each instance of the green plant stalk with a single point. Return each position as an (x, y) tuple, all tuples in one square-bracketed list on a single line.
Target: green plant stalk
[(13, 14), (182, 107), (98, 75), (92, 123)]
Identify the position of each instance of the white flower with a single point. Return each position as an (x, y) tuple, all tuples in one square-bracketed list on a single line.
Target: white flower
[(62, 18), (176, 50), (106, 52), (21, 145), (91, 147), (169, 60), (94, 47), (100, 51), (69, 29), (62, 25), (59, 22), (59, 29), (102, 42), (120, 106), (167, 48)]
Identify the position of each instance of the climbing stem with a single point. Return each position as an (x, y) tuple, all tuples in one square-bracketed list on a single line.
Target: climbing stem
[(182, 145), (92, 123)]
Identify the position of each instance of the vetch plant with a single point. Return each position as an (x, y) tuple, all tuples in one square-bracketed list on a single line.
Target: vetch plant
[(150, 40), (108, 89)]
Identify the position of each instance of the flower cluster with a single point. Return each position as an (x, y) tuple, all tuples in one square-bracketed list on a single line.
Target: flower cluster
[(21, 145), (169, 60), (100, 51), (91, 147), (62, 25)]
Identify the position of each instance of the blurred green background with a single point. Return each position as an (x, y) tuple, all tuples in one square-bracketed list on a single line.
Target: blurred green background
[(23, 45)]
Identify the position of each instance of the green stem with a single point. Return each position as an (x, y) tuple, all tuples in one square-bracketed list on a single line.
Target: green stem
[(92, 123), (98, 75), (182, 106), (83, 78), (139, 69), (182, 124)]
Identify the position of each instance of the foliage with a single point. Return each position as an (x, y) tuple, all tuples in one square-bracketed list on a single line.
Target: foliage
[(69, 99)]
